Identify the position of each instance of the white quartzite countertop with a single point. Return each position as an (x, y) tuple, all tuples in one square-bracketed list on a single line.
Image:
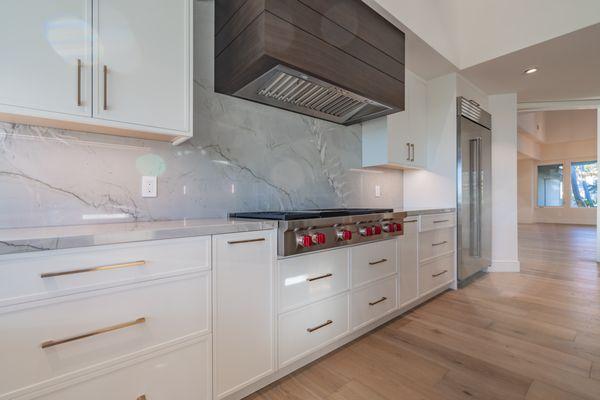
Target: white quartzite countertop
[(21, 240)]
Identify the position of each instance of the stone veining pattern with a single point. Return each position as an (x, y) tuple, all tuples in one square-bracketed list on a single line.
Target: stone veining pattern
[(244, 156)]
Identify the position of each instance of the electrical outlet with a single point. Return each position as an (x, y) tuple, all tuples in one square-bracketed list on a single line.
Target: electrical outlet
[(377, 191), (149, 186)]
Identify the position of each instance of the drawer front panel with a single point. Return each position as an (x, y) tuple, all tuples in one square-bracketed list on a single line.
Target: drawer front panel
[(373, 261), (436, 273), (48, 274), (306, 330), (181, 374), (437, 221), (306, 279), (373, 302), (435, 243), (46, 341)]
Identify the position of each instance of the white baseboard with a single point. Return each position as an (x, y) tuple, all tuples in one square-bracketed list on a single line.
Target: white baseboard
[(505, 266)]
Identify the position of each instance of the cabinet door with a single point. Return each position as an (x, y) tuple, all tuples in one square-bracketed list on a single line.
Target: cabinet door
[(408, 262), (143, 62), (418, 121), (243, 311), (46, 55)]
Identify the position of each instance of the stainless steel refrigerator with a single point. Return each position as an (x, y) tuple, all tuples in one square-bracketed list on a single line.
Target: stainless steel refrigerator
[(474, 190)]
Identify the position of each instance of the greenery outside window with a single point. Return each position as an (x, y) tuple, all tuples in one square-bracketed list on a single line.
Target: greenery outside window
[(584, 184)]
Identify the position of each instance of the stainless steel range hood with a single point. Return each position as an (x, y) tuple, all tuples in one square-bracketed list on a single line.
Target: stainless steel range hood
[(310, 57), (285, 88)]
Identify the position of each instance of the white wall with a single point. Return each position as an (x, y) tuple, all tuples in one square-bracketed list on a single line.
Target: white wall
[(436, 187), (505, 255)]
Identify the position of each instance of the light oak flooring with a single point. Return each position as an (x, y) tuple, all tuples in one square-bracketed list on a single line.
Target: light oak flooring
[(533, 335)]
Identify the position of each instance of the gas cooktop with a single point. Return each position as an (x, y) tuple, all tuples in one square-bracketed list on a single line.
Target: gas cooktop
[(305, 231), (309, 214)]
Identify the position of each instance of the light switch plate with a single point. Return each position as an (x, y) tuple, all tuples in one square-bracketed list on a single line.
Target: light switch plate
[(149, 186)]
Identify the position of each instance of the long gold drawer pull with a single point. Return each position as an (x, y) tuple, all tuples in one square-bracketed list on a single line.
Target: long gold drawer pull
[(381, 300), (94, 269), (441, 221), (105, 71), (246, 241), (410, 222), (52, 343), (439, 274), (439, 244), (323, 325), (316, 278), (378, 261), (78, 82)]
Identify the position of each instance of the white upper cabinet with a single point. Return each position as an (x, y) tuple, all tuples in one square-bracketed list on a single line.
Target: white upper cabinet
[(399, 140), (104, 66), (142, 68), (46, 53)]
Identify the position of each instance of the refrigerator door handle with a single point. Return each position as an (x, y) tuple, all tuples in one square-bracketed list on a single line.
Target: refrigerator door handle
[(475, 191)]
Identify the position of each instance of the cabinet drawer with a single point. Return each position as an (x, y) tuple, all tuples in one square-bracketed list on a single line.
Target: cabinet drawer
[(436, 273), (48, 274), (306, 330), (435, 243), (44, 341), (373, 302), (373, 261), (437, 221), (183, 374), (306, 279)]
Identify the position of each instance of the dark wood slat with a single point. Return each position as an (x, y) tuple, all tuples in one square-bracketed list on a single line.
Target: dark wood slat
[(364, 22), (246, 14), (224, 10), (310, 21), (315, 57)]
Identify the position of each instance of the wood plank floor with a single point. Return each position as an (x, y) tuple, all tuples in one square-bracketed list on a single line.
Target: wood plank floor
[(533, 335)]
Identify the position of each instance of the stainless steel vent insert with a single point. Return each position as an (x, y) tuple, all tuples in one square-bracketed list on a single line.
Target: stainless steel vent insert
[(289, 89), (471, 110)]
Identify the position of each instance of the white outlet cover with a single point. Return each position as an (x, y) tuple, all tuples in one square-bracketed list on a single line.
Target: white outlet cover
[(149, 186), (377, 191)]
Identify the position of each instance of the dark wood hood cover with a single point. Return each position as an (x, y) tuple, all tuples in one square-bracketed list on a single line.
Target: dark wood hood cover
[(340, 42)]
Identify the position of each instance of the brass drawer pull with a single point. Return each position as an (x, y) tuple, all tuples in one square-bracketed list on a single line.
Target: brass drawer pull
[(78, 82), (52, 343), (246, 241), (439, 274), (93, 269), (441, 221), (316, 328), (381, 300), (410, 222), (316, 278), (439, 244), (378, 261)]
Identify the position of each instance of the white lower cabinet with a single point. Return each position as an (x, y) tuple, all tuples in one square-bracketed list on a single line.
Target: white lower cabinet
[(436, 273), (373, 261), (243, 313), (183, 374), (370, 303), (308, 329), (408, 262)]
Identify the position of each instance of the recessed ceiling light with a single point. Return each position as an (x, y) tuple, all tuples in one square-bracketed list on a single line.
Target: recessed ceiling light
[(530, 71)]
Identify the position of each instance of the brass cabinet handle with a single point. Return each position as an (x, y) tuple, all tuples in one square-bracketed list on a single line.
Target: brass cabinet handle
[(378, 261), (105, 71), (52, 343), (316, 278), (412, 147), (381, 300), (246, 241), (441, 221), (94, 269), (439, 244), (439, 274), (410, 222), (408, 148), (78, 82), (316, 328)]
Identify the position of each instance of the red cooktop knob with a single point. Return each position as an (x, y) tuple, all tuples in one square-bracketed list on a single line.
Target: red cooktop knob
[(344, 235), (319, 238), (399, 228), (368, 231), (390, 228), (377, 230), (305, 241)]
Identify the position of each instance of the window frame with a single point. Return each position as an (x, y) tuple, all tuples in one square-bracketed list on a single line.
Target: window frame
[(537, 183)]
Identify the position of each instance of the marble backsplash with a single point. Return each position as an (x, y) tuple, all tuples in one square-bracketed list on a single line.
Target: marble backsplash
[(244, 156)]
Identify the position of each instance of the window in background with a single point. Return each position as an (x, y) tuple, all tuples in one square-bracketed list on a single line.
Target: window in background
[(550, 185), (584, 184)]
